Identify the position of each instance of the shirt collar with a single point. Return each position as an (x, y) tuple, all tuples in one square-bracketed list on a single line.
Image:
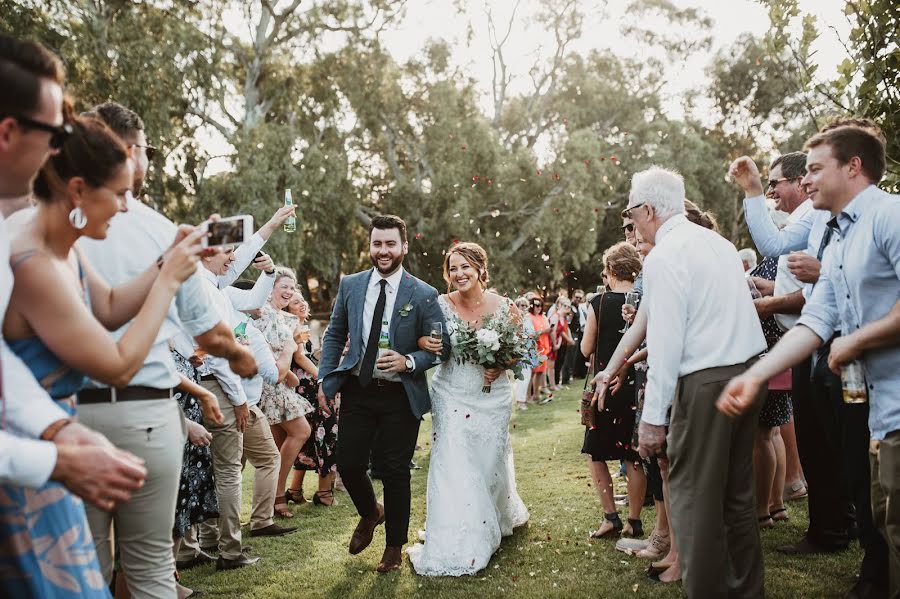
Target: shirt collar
[(851, 212), (670, 224), (800, 211), (207, 275), (393, 281)]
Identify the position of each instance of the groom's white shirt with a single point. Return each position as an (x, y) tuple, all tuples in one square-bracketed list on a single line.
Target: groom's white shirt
[(372, 291)]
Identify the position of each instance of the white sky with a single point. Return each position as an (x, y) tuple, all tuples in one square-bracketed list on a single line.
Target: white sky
[(427, 19)]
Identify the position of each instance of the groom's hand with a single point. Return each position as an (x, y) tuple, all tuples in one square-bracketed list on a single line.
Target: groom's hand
[(391, 361)]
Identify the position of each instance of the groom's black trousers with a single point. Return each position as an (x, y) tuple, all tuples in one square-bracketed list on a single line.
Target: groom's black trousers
[(377, 421)]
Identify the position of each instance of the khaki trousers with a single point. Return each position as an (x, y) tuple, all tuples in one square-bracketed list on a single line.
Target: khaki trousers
[(153, 430), (228, 446), (885, 461), (712, 490)]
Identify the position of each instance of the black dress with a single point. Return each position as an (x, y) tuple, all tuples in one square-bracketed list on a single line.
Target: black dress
[(612, 437), (778, 407), (197, 499)]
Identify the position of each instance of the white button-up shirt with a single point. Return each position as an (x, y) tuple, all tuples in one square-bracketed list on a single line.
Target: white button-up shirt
[(785, 281), (372, 292), (218, 367), (29, 410), (134, 241), (803, 234), (699, 310)]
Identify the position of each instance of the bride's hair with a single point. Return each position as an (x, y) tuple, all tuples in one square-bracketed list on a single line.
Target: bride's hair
[(475, 255)]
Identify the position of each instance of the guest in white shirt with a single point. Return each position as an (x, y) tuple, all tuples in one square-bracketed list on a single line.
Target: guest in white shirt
[(701, 330), (144, 417)]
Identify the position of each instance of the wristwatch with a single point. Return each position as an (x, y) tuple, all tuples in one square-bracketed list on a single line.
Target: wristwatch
[(270, 272), (410, 363)]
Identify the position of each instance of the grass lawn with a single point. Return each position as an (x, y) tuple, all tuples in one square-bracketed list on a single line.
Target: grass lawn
[(550, 557)]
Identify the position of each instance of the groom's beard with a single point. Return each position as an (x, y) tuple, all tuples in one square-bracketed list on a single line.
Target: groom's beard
[(395, 264)]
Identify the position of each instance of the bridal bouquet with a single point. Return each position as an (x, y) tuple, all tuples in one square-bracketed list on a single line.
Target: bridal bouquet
[(501, 342)]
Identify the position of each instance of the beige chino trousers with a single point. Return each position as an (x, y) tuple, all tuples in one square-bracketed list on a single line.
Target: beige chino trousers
[(155, 431)]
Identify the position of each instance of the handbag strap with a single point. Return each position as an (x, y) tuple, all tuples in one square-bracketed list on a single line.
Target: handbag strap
[(594, 353)]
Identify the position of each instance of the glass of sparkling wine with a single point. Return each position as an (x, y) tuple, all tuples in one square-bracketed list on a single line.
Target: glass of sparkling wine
[(631, 299), (853, 383), (437, 333)]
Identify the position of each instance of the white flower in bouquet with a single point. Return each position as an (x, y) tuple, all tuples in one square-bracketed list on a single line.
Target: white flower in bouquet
[(488, 338)]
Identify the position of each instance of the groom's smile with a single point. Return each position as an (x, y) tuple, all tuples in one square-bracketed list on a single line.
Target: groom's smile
[(387, 249)]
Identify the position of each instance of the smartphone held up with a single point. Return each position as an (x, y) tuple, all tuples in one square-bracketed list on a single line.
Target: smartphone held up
[(228, 232)]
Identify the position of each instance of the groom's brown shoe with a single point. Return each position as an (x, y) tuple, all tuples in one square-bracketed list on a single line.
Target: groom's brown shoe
[(362, 536), (391, 560)]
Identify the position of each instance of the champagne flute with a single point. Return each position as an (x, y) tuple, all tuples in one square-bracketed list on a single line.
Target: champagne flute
[(437, 333), (754, 290), (631, 299)]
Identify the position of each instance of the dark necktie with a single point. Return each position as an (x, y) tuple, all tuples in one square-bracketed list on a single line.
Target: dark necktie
[(368, 363), (826, 238)]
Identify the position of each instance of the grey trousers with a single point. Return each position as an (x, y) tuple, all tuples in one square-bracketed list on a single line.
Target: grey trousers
[(155, 431), (712, 489), (885, 460)]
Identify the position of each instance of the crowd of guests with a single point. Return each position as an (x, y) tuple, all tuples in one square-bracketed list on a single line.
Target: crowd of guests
[(717, 379), (740, 384), (111, 312)]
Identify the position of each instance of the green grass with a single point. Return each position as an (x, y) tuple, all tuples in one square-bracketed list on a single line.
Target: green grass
[(550, 557)]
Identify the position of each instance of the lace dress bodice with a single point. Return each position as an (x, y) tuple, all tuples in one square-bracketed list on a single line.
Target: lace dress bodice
[(472, 497)]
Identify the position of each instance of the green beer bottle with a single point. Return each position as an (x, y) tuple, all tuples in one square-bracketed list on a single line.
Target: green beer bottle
[(290, 225)]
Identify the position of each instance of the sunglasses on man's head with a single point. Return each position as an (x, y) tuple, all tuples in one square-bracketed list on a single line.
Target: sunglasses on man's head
[(58, 133)]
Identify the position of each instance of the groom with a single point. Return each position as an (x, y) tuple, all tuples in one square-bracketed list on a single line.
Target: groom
[(381, 379)]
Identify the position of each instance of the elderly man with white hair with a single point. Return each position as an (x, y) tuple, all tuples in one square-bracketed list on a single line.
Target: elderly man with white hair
[(702, 330)]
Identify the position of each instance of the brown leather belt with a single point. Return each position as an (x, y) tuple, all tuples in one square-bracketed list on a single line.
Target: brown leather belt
[(113, 395)]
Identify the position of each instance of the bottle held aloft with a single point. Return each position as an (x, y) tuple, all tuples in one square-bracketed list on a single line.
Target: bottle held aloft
[(290, 225)]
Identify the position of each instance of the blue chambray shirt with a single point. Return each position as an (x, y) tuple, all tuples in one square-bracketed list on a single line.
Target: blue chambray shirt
[(860, 283)]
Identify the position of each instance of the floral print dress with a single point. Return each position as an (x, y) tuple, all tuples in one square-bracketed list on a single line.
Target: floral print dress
[(197, 501), (278, 402)]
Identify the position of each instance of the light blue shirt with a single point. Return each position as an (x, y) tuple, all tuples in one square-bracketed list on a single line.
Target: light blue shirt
[(134, 241), (860, 283), (804, 234)]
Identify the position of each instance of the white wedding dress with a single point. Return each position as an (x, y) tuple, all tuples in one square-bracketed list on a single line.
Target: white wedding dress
[(472, 498)]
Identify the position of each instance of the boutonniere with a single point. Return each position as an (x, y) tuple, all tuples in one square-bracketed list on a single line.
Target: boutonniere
[(404, 311)]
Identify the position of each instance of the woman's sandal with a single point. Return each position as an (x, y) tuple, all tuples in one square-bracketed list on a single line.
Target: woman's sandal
[(294, 495), (657, 568), (282, 511), (614, 520), (634, 528), (325, 498), (766, 521), (779, 514)]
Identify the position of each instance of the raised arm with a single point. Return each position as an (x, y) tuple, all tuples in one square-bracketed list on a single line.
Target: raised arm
[(115, 306), (65, 324)]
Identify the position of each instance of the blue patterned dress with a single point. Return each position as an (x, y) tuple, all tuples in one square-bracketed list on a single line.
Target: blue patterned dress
[(46, 548)]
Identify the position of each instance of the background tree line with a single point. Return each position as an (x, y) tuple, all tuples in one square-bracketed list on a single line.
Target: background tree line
[(307, 97)]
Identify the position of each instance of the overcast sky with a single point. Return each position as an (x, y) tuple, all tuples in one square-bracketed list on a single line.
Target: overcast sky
[(426, 19)]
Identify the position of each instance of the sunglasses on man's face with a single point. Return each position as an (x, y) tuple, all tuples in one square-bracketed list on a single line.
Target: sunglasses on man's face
[(58, 133), (150, 150), (629, 228)]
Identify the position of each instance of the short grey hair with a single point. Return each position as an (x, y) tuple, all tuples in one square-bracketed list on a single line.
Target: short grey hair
[(658, 187), (748, 256)]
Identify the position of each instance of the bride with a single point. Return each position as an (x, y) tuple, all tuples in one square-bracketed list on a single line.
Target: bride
[(472, 498)]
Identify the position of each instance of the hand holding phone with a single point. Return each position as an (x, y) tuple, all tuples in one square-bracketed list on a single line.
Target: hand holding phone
[(228, 232)]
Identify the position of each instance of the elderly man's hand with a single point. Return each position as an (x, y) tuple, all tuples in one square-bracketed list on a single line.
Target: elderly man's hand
[(652, 439)]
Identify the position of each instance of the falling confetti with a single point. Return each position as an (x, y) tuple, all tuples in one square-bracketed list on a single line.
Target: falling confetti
[(495, 213)]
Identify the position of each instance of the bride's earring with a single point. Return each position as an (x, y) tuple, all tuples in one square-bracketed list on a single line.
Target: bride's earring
[(77, 218)]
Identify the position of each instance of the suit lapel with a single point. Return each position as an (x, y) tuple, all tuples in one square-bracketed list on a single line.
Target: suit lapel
[(359, 304), (404, 295)]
